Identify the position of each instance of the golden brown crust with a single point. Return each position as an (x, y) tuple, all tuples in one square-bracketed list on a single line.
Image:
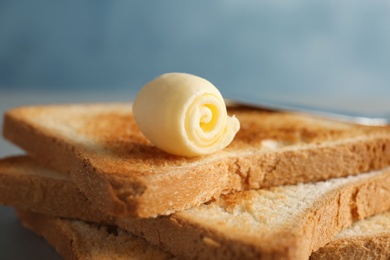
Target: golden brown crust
[(57, 235), (361, 247), (295, 239), (38, 192), (204, 232), (86, 241), (122, 173)]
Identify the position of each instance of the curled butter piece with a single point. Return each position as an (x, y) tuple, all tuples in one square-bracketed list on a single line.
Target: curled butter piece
[(184, 115)]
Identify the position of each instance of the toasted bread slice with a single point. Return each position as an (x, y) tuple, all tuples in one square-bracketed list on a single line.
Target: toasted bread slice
[(25, 184), (365, 239), (120, 172), (87, 241), (287, 222)]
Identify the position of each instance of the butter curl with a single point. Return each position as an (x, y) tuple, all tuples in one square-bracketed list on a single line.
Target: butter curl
[(184, 115)]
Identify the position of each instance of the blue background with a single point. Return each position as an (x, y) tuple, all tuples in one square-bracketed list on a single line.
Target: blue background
[(318, 52)]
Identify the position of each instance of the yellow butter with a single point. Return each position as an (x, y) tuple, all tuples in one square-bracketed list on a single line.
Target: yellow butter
[(184, 114)]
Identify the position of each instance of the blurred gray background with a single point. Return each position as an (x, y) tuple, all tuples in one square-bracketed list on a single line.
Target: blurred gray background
[(333, 54), (319, 52)]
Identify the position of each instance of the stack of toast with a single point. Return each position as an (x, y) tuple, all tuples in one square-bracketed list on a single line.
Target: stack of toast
[(289, 186)]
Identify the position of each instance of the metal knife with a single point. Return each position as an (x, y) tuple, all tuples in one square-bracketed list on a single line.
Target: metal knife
[(348, 116)]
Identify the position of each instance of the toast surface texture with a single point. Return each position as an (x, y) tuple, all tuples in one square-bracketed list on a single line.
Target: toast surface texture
[(116, 167), (278, 223), (27, 185), (287, 222), (77, 240), (365, 239)]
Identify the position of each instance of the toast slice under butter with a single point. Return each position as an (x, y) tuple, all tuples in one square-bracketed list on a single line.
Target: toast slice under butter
[(74, 239), (287, 222), (112, 163)]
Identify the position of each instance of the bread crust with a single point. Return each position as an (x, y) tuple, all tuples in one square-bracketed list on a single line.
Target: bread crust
[(363, 247), (60, 234), (312, 229), (198, 233), (365, 239), (85, 241), (124, 175), (26, 185)]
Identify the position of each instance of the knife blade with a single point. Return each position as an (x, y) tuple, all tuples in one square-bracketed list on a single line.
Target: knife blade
[(334, 114)]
